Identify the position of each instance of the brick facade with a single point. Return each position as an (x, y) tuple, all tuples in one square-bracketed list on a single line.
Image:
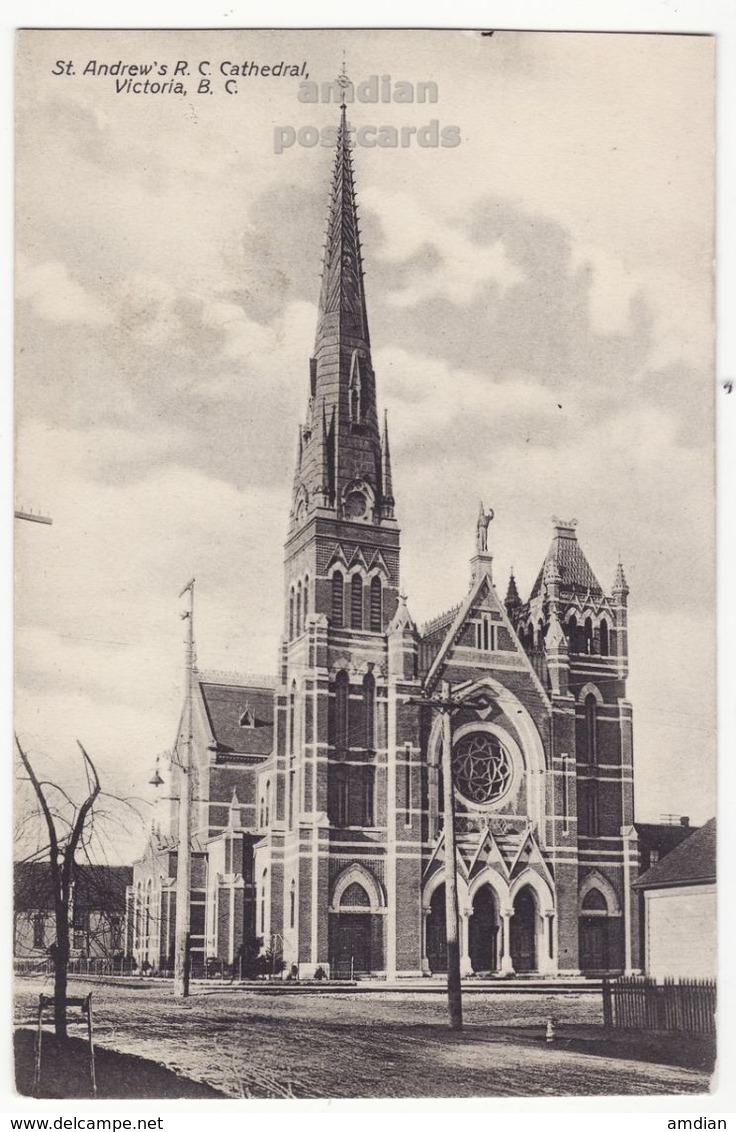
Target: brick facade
[(323, 835)]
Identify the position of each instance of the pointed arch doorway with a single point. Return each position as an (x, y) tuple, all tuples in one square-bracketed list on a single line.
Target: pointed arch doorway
[(355, 934), (483, 927), (524, 931), (437, 932)]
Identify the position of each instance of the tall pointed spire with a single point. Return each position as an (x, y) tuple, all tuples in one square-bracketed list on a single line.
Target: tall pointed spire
[(512, 601), (620, 585), (342, 306), (342, 449)]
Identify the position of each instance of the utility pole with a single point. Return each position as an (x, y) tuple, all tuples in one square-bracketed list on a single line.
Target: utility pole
[(184, 855), (447, 706)]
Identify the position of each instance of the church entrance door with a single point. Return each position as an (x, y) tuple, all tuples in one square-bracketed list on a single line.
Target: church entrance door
[(594, 943), (483, 931), (437, 932), (524, 932), (351, 944)]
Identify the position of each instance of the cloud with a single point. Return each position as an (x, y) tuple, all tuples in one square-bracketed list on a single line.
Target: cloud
[(56, 296), (98, 628), (540, 316), (442, 260), (458, 435)]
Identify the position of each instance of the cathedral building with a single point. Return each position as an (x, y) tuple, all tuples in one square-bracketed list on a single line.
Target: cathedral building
[(318, 797)]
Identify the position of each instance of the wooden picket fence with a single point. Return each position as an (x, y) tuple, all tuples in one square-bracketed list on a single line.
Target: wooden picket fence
[(638, 1003)]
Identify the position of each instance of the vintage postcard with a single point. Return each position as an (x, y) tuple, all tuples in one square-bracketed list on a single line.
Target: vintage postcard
[(364, 545)]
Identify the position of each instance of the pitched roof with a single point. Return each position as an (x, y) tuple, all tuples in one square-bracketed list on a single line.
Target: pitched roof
[(662, 836), (566, 554), (227, 704), (95, 886), (693, 861)]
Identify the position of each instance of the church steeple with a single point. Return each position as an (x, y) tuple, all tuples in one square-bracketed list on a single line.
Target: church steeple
[(344, 469), (342, 297)]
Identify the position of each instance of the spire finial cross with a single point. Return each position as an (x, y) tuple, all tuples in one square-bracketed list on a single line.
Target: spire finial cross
[(343, 81)]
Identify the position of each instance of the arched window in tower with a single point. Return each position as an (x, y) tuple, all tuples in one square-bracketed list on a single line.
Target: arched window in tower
[(355, 896), (291, 614), (292, 904), (365, 394), (369, 711), (571, 628), (298, 617), (376, 605), (356, 602), (594, 901), (263, 901), (292, 793), (338, 599), (540, 635), (355, 389), (588, 815), (267, 805), (342, 697), (588, 636), (368, 795), (305, 606), (591, 728), (292, 720), (604, 637)]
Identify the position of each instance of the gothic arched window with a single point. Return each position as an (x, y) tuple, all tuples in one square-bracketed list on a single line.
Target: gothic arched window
[(355, 896), (594, 901), (591, 728), (369, 711), (342, 696), (376, 604), (263, 901), (291, 614), (604, 638), (292, 904), (338, 598), (588, 815), (298, 618), (356, 602), (292, 719), (588, 636), (305, 607)]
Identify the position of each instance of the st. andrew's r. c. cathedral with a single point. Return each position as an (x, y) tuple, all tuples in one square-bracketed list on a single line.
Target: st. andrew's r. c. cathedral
[(317, 815)]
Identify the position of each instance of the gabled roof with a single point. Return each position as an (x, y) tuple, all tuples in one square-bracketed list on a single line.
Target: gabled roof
[(574, 569), (482, 588), (662, 836), (227, 703), (95, 886), (693, 861)]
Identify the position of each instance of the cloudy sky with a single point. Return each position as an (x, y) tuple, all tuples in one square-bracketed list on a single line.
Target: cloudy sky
[(540, 308)]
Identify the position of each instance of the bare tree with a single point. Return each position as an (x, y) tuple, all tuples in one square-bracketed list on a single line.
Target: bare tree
[(66, 834)]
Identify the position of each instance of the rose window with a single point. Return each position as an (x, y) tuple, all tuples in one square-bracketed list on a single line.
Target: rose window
[(481, 768)]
